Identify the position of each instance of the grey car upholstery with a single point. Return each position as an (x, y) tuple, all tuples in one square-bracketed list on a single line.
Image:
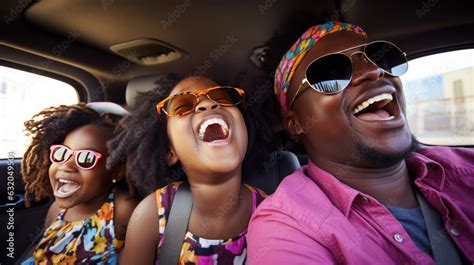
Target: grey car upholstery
[(285, 163), (139, 85)]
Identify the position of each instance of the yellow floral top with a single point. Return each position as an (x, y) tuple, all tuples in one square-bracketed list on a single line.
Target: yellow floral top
[(88, 241)]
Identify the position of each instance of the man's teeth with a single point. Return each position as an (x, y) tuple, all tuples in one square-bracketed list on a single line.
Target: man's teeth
[(205, 124), (372, 100)]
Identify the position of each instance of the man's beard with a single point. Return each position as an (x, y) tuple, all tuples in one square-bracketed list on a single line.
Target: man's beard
[(372, 154)]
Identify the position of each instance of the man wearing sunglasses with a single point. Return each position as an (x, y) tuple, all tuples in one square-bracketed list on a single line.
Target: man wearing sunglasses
[(369, 194)]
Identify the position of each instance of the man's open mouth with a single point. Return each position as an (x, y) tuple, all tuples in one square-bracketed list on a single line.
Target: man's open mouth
[(213, 129), (382, 107), (65, 188)]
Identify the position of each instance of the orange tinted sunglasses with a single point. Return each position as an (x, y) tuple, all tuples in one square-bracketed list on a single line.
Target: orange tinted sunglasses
[(185, 103)]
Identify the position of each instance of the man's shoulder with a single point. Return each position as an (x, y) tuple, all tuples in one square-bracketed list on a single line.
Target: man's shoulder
[(297, 196), (451, 158)]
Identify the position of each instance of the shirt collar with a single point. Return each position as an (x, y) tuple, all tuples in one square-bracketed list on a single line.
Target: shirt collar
[(426, 170), (421, 168), (341, 195)]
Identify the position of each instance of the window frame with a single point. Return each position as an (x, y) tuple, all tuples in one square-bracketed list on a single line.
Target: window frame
[(82, 92), (80, 89), (427, 52)]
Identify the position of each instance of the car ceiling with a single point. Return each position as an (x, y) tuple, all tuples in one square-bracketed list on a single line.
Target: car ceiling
[(88, 28)]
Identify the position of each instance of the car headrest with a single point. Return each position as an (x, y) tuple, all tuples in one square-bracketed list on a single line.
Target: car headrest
[(107, 107), (275, 171), (139, 85)]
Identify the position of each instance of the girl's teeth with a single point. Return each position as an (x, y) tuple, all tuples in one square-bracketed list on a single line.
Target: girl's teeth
[(65, 181), (205, 124)]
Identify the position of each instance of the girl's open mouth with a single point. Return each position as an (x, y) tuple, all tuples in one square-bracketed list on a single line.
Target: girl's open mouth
[(65, 188), (213, 130)]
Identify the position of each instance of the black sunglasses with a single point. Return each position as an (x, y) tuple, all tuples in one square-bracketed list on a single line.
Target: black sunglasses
[(331, 73)]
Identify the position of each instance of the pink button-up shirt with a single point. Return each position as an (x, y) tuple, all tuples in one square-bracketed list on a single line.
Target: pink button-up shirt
[(313, 218)]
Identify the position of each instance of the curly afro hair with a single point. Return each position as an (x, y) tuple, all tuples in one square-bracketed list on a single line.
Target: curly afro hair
[(48, 127), (143, 144)]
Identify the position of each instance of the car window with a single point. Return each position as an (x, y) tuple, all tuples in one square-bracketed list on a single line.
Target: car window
[(439, 90), (23, 94)]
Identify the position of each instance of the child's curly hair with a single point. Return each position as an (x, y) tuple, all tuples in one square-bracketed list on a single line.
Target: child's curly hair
[(143, 143), (48, 127)]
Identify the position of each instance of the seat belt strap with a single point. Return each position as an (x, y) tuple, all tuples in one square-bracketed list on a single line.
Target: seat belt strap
[(176, 226), (444, 250)]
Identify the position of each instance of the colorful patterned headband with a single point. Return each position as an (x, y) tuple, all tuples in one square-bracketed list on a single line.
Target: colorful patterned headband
[(295, 55)]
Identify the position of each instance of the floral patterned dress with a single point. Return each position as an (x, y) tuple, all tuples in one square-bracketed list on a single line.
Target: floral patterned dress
[(89, 241), (198, 250)]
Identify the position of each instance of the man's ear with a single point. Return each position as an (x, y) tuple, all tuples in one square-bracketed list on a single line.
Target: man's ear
[(171, 157), (292, 124)]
